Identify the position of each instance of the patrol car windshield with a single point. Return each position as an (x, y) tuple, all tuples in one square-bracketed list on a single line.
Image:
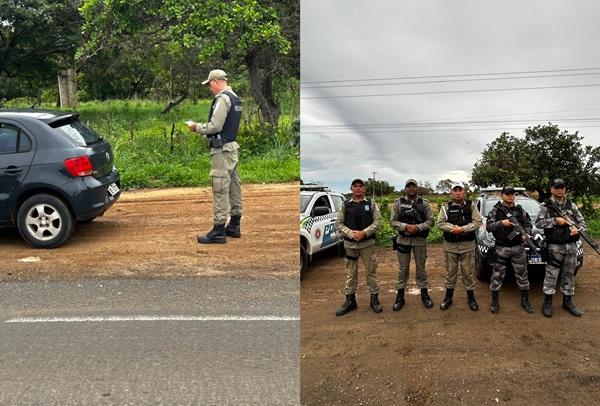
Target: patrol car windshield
[(304, 200), (531, 206)]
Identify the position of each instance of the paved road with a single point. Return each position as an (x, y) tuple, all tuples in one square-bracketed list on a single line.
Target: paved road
[(212, 355)]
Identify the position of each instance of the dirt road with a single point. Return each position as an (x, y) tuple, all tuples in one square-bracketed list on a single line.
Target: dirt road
[(153, 233), (429, 357)]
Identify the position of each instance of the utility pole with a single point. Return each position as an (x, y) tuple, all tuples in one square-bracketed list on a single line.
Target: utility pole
[(374, 173)]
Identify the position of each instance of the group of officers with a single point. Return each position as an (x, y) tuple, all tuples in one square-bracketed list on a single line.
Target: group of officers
[(359, 219)]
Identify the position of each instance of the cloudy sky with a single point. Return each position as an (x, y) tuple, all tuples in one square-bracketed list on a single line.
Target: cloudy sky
[(415, 88)]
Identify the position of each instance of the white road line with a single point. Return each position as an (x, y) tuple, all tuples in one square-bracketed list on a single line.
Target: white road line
[(149, 318)]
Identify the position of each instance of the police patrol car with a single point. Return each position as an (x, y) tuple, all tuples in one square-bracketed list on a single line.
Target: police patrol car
[(318, 212)]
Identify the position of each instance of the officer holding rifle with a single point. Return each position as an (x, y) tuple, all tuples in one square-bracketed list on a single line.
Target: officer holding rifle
[(562, 224), (511, 226)]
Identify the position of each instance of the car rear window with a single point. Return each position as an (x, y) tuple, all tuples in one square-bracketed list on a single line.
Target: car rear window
[(79, 133)]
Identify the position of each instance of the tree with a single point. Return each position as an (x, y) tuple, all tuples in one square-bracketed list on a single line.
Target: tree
[(443, 186), (37, 39), (500, 162), (543, 154), (381, 187), (240, 36)]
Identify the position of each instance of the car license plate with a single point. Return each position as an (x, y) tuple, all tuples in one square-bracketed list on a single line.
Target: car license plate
[(113, 189), (535, 259)]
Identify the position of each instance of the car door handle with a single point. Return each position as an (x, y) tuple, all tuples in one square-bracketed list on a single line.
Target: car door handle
[(13, 170)]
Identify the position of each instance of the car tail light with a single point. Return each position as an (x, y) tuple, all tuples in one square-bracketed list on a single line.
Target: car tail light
[(80, 166)]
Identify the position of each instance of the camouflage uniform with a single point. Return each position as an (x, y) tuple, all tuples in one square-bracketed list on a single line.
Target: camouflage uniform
[(508, 250), (415, 242), (561, 257), (364, 249), (459, 254), (226, 184)]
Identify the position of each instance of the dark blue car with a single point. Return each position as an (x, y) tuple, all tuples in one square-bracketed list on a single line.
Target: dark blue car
[(54, 172)]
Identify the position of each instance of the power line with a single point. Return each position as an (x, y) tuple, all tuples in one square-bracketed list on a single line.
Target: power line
[(394, 131), (449, 123), (450, 91), (454, 75), (446, 81)]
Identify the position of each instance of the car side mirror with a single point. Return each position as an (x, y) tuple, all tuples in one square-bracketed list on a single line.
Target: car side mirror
[(320, 211)]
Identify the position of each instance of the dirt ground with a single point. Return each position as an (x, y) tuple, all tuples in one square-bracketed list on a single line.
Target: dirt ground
[(152, 233), (455, 357)]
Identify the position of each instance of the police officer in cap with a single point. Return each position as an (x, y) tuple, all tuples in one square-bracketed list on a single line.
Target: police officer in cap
[(562, 248), (221, 130), (412, 217), (459, 219), (358, 220), (509, 247)]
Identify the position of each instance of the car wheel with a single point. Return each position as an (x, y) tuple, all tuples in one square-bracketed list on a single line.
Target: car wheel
[(303, 259), (482, 272), (44, 221)]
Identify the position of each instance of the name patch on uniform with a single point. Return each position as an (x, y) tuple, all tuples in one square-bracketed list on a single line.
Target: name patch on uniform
[(238, 108), (367, 207)]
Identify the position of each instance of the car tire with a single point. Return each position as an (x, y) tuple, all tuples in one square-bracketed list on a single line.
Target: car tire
[(45, 221), (482, 272), (303, 260)]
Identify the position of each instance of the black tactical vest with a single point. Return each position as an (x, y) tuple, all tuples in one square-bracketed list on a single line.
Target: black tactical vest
[(560, 234), (232, 121), (412, 213), (358, 215), (501, 233), (459, 215)]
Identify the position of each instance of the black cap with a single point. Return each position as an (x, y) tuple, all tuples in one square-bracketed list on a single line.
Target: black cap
[(357, 181), (508, 189), (557, 182)]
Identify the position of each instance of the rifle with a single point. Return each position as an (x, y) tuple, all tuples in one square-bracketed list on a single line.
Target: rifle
[(518, 229), (571, 222), (414, 214)]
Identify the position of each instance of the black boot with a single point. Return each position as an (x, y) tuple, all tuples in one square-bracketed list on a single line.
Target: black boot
[(495, 306), (214, 236), (547, 306), (447, 299), (377, 308), (348, 306), (525, 301), (570, 307), (233, 227), (399, 300), (426, 299), (471, 300)]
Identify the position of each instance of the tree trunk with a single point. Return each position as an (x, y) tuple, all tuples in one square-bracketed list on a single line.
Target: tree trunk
[(261, 87), (67, 87)]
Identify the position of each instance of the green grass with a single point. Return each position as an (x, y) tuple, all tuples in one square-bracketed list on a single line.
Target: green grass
[(157, 150)]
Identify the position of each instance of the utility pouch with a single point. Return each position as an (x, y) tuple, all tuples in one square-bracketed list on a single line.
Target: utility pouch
[(216, 141), (394, 244)]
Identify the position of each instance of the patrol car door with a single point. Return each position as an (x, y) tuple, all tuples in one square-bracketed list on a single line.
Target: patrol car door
[(323, 227), (16, 154)]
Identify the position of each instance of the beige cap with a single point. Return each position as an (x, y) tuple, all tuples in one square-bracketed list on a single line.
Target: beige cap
[(408, 182), (215, 74)]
